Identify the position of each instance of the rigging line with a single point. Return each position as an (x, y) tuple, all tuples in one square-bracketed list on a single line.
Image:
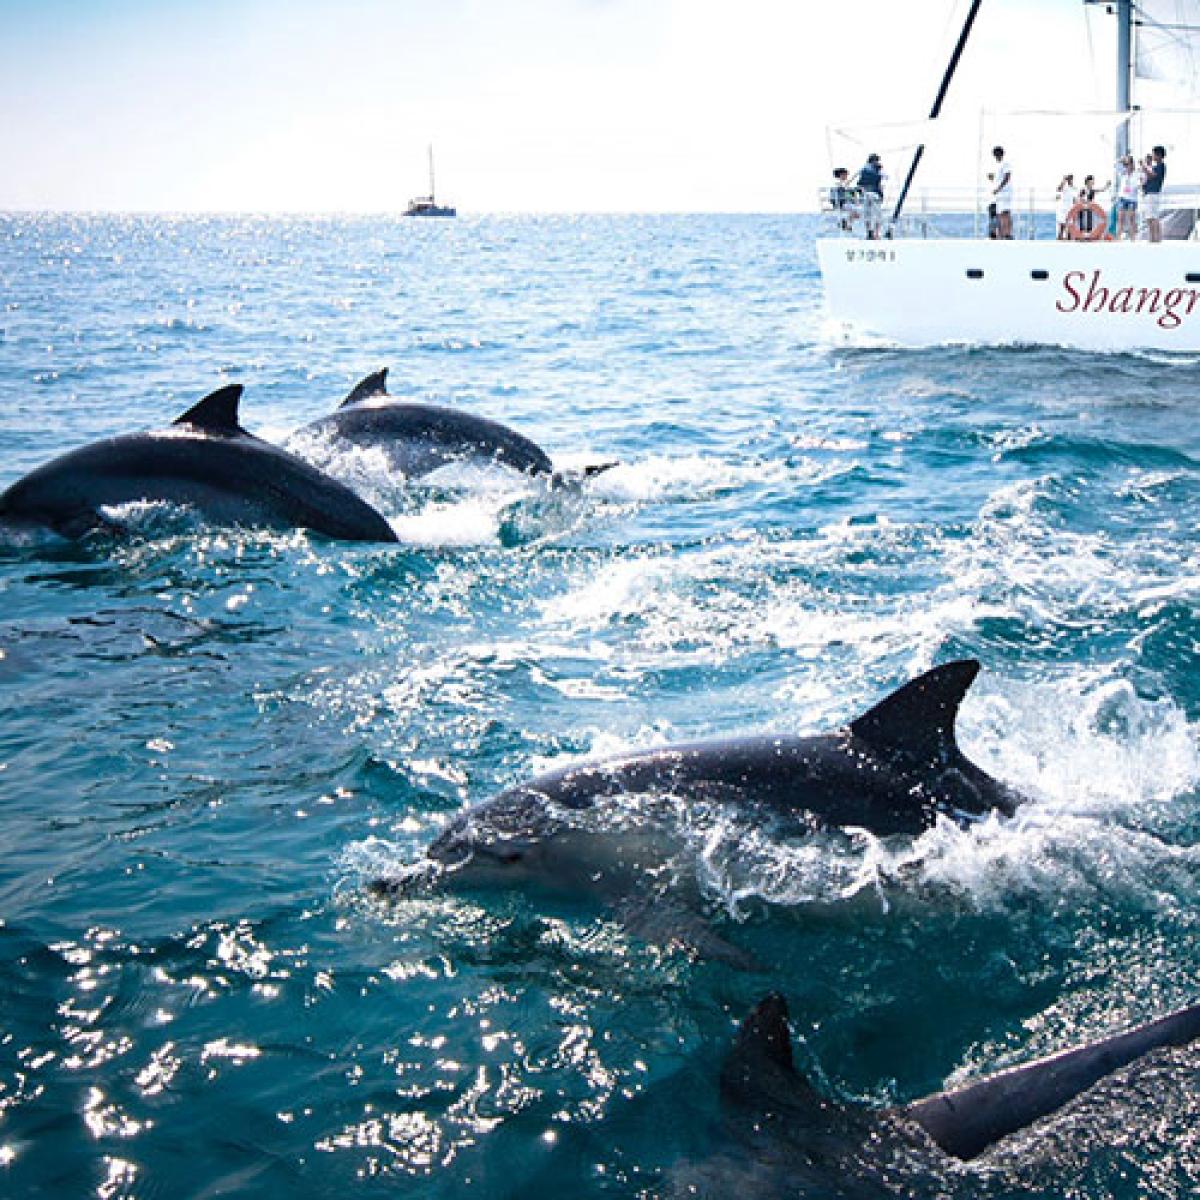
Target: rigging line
[(960, 46), (1087, 25)]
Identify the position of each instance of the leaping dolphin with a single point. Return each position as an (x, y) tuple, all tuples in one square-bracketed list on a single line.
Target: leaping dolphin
[(893, 770), (792, 1124), (205, 461), (418, 438)]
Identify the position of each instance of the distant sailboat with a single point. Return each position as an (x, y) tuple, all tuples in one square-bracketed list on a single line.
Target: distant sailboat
[(427, 206)]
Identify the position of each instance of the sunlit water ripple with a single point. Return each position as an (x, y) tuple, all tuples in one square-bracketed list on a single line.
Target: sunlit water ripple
[(211, 739)]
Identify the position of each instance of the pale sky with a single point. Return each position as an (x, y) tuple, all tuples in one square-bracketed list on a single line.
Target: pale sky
[(531, 105)]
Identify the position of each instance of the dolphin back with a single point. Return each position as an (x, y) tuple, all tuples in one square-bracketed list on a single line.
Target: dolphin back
[(204, 461), (759, 1076), (418, 438), (966, 1122), (893, 770)]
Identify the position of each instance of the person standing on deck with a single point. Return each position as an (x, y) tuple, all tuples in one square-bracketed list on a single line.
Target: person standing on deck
[(870, 183), (1087, 195), (1127, 185), (842, 197), (1002, 194), (1154, 177), (1066, 202)]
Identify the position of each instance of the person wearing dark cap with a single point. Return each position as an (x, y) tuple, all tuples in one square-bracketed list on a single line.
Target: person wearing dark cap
[(870, 182)]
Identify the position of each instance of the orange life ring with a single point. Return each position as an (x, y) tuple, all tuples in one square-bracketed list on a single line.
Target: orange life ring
[(1075, 230)]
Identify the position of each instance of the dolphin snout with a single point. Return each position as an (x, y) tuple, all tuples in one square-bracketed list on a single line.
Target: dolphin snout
[(451, 849), (408, 881), (448, 853)]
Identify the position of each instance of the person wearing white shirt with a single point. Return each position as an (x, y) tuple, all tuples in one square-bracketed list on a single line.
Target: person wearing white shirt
[(1002, 194), (1127, 184)]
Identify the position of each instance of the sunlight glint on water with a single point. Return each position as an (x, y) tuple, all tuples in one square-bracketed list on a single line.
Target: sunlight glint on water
[(212, 739)]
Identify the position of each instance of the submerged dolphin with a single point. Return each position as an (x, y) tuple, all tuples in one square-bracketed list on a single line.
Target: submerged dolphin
[(418, 438), (206, 461), (893, 770), (805, 1144)]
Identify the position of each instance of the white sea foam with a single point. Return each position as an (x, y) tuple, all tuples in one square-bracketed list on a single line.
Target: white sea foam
[(1101, 767), (704, 605), (471, 521), (660, 477), (149, 516)]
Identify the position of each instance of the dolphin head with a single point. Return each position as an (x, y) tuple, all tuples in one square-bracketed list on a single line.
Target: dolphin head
[(497, 840), (499, 843)]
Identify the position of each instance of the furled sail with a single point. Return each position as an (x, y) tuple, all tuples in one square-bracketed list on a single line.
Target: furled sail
[(1167, 44)]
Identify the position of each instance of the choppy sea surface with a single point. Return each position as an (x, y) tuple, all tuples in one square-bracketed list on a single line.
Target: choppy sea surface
[(211, 740)]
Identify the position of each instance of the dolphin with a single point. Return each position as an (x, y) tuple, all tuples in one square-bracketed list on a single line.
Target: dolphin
[(893, 770), (810, 1145), (205, 460), (418, 438)]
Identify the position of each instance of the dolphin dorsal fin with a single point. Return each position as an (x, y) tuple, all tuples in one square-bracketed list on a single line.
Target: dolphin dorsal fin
[(373, 385), (766, 1034), (761, 1053), (216, 413), (918, 719), (759, 1074)]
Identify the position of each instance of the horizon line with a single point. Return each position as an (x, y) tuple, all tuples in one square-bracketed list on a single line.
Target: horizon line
[(399, 214)]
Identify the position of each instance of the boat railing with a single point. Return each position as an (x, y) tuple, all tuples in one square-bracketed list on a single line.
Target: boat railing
[(936, 212), (963, 212)]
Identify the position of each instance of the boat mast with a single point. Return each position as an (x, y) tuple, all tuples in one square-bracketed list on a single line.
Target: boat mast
[(1124, 72), (937, 103), (1124, 14), (431, 172)]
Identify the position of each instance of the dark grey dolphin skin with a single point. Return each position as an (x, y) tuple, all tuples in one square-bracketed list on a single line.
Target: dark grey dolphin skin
[(967, 1121), (760, 1078), (419, 438), (206, 461), (893, 770)]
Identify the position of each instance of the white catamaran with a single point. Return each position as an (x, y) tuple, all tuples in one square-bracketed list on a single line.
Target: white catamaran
[(1096, 294)]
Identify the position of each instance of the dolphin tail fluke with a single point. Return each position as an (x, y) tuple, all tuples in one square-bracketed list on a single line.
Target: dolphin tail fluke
[(216, 413), (575, 476), (591, 470), (966, 1122), (365, 389)]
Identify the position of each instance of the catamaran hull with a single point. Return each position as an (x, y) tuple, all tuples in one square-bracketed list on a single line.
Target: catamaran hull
[(1091, 295)]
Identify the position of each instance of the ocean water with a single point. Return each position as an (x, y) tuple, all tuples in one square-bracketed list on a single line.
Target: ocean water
[(211, 740)]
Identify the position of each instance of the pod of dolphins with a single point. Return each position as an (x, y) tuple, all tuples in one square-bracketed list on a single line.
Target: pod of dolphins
[(896, 769), (205, 461)]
